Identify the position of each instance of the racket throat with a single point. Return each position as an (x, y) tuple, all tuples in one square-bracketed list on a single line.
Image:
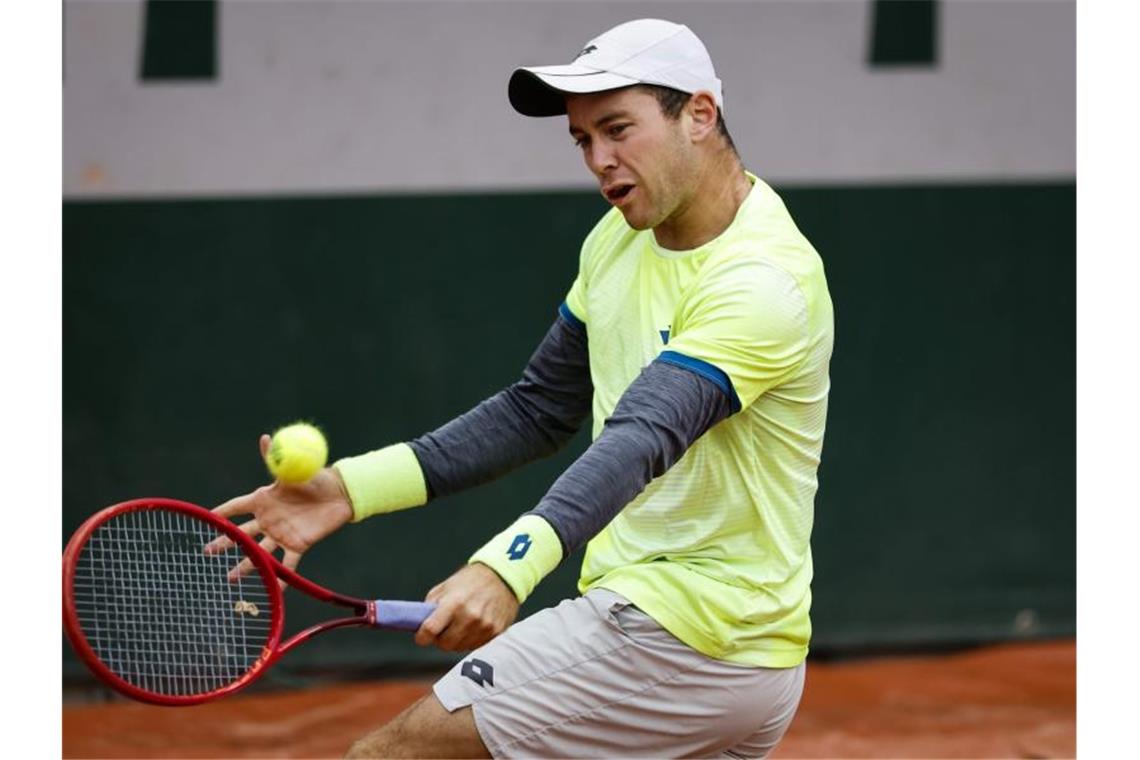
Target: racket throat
[(312, 631)]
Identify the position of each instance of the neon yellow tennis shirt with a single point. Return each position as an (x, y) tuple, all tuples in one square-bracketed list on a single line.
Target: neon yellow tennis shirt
[(717, 549)]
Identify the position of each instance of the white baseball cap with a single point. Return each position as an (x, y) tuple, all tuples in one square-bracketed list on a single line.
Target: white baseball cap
[(645, 51)]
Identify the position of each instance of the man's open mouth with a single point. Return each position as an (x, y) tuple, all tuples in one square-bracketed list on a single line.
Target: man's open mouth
[(617, 192)]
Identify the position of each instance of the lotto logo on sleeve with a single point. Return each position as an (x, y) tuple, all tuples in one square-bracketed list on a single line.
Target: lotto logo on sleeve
[(519, 547)]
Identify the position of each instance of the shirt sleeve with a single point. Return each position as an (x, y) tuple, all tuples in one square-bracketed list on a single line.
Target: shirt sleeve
[(574, 307), (744, 326)]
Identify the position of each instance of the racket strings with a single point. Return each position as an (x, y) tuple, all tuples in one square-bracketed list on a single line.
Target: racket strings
[(160, 613)]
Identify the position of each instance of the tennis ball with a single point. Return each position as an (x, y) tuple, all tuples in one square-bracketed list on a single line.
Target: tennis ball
[(296, 453)]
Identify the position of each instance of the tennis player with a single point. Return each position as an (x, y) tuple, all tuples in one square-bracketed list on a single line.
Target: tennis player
[(698, 335)]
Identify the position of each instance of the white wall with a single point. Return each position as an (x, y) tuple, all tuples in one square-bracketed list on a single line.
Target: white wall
[(319, 97)]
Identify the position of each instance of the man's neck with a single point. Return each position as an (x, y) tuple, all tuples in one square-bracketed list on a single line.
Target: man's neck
[(720, 189)]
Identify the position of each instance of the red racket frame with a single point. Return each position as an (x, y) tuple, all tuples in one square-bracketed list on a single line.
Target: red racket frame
[(266, 565)]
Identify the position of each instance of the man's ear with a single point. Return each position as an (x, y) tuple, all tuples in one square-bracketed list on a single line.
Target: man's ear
[(702, 111)]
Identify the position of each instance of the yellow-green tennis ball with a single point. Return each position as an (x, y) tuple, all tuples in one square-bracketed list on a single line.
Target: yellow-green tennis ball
[(296, 453)]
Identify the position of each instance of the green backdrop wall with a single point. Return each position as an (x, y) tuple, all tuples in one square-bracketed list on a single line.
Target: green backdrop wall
[(946, 510)]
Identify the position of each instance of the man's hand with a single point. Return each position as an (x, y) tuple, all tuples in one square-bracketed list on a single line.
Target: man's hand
[(475, 606), (290, 517)]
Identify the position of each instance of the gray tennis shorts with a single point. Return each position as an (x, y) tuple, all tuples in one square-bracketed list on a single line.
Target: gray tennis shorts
[(597, 677)]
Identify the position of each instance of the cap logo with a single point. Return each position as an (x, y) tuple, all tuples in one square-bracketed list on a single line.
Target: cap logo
[(586, 50)]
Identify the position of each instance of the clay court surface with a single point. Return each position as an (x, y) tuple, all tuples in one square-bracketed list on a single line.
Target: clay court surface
[(1014, 700)]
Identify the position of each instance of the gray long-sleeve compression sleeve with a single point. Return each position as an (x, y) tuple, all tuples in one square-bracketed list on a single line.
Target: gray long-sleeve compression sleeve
[(657, 419), (528, 420)]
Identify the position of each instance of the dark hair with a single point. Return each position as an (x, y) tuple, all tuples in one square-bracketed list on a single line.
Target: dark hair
[(672, 101)]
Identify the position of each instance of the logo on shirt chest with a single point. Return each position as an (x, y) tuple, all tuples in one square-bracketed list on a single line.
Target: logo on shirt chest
[(665, 334)]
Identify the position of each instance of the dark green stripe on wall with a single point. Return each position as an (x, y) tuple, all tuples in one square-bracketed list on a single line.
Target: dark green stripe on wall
[(904, 33), (180, 40), (946, 509)]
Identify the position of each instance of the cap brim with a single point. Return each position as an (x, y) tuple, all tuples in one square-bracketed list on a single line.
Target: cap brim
[(540, 90)]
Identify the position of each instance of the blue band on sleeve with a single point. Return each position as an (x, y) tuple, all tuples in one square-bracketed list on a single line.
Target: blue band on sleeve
[(568, 315), (704, 369)]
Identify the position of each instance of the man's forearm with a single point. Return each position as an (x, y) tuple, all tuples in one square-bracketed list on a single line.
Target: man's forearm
[(531, 419)]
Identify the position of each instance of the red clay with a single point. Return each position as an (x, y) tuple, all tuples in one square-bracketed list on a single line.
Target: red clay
[(1004, 701)]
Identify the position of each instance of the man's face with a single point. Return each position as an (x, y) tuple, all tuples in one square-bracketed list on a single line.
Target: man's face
[(643, 160)]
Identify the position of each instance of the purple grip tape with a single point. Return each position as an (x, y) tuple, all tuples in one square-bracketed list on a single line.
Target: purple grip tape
[(402, 616)]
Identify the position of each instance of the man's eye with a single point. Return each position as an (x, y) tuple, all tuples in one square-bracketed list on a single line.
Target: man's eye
[(580, 142), (617, 129)]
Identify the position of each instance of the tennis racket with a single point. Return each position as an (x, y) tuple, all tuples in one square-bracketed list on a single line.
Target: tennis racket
[(157, 619)]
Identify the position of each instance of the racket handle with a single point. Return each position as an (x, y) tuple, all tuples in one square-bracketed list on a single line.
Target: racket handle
[(401, 616)]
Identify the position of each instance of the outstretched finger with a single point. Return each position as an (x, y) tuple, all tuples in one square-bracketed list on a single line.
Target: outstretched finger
[(238, 505), (220, 544), (245, 567), (270, 546), (263, 444), (291, 559)]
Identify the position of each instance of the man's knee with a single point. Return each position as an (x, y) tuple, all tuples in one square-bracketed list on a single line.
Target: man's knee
[(423, 730)]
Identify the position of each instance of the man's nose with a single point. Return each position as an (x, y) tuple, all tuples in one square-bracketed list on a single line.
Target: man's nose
[(600, 158)]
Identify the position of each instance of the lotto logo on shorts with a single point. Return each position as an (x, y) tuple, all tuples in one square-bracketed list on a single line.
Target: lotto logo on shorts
[(520, 546), (478, 671)]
